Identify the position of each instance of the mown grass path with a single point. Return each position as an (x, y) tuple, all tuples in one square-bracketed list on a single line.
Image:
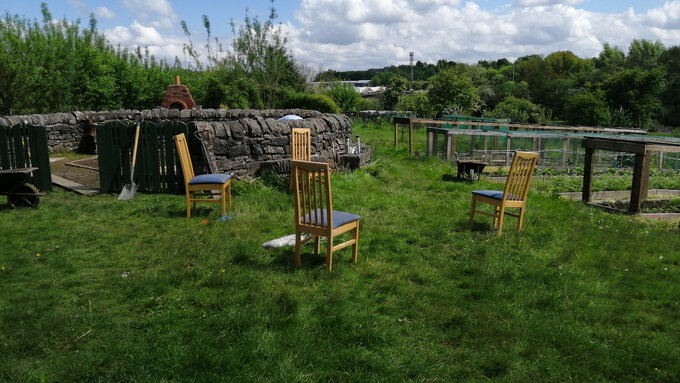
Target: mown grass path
[(133, 291)]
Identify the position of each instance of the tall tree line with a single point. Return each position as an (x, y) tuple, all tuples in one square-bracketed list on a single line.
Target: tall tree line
[(637, 88)]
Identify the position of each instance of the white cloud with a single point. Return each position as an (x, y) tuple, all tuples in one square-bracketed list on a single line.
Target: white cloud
[(534, 3), (138, 35), (161, 7), (359, 34), (104, 13), (158, 13)]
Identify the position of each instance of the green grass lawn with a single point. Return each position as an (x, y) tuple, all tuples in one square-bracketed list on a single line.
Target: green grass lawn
[(96, 289)]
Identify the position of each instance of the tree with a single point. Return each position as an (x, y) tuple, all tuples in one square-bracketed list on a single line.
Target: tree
[(415, 102), (450, 92), (587, 108), (637, 92), (518, 110), (345, 96), (644, 54), (564, 64), (396, 88), (670, 99), (610, 59)]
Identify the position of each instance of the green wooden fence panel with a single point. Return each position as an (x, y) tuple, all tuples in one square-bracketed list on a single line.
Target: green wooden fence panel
[(156, 168), (24, 146), (40, 157)]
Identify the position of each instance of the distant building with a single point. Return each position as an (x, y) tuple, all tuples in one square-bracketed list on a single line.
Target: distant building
[(360, 86)]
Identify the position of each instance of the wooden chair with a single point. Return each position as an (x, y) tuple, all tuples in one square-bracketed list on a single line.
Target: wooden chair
[(204, 187), (314, 212), (301, 144), (514, 194), (301, 148)]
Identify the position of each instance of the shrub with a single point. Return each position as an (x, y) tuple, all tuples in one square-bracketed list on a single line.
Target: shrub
[(318, 102)]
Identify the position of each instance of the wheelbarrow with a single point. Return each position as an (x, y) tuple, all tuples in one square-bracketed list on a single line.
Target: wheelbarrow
[(14, 184)]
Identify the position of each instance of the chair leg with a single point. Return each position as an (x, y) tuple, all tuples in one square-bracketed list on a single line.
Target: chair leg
[(317, 247), (229, 193), (496, 214), (223, 201), (188, 197), (520, 219), (298, 245), (329, 254), (500, 221), (472, 210), (355, 247)]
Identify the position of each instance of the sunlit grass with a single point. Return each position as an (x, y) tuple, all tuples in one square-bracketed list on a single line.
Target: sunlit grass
[(134, 291)]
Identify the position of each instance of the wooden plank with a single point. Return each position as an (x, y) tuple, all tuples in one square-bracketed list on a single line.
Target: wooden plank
[(40, 157), (153, 154), (73, 186), (20, 160), (169, 159), (4, 148), (430, 142), (587, 190), (105, 157), (617, 146)]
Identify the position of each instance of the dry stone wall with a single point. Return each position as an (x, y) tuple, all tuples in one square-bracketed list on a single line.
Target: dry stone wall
[(240, 140)]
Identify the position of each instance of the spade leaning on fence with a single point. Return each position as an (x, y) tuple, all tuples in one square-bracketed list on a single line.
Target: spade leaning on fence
[(129, 190)]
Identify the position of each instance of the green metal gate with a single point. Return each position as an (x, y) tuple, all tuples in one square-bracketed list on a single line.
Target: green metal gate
[(25, 146), (157, 169)]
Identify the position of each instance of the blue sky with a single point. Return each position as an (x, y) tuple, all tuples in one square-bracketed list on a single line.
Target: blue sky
[(361, 34)]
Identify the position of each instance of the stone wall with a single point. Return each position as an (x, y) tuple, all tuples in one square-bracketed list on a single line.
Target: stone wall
[(240, 140)]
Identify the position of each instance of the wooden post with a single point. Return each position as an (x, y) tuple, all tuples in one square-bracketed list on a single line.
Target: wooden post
[(448, 146), (587, 175), (485, 141), (495, 148), (661, 155), (565, 152), (640, 182), (410, 138), (396, 134), (507, 149), (454, 141), (473, 145)]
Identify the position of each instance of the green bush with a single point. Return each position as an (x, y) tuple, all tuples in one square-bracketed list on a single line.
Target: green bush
[(318, 102), (344, 95), (368, 104)]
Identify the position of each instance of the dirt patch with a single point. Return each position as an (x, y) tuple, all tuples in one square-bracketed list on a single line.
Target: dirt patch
[(648, 206), (86, 173), (86, 163)]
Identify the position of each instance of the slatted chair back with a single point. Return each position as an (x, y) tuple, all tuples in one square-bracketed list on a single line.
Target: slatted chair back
[(313, 201), (519, 176), (184, 157), (301, 144), (314, 214), (215, 188)]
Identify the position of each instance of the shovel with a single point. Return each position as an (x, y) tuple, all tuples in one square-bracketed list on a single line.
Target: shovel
[(129, 190)]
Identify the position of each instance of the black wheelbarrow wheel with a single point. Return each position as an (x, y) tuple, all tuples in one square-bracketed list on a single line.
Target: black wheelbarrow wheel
[(23, 195)]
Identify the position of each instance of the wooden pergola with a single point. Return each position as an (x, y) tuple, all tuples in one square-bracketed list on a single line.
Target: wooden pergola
[(641, 149)]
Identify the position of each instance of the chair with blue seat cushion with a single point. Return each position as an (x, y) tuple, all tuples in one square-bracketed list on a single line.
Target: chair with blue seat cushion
[(314, 211), (514, 194), (204, 187)]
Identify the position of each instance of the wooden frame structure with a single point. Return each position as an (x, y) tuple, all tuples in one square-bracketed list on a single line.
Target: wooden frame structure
[(202, 188), (641, 149), (514, 195), (314, 212), (411, 122)]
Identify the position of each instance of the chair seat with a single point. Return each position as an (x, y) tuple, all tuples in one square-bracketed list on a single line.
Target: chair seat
[(339, 218), (495, 194), (209, 179)]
